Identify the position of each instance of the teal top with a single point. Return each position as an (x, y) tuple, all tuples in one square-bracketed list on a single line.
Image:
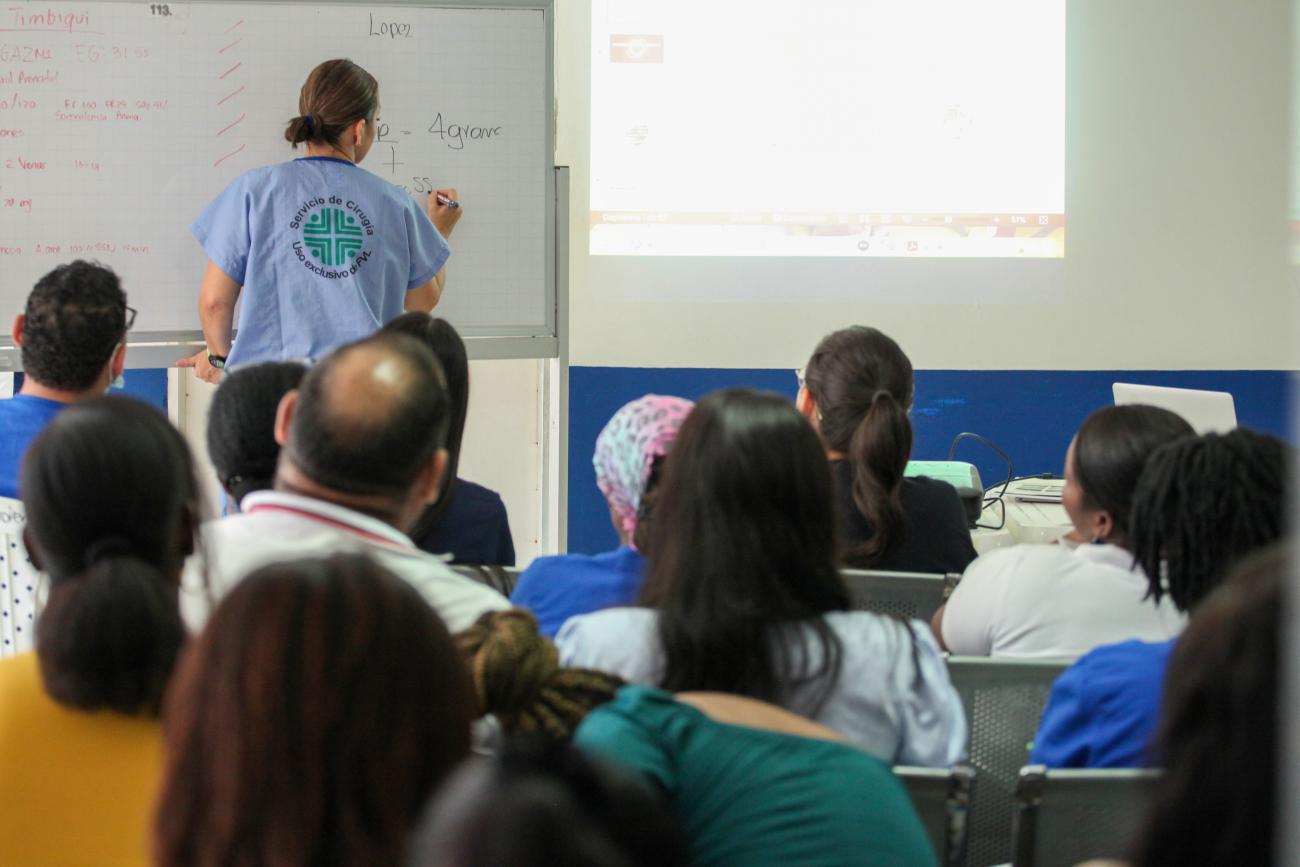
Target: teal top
[(747, 796)]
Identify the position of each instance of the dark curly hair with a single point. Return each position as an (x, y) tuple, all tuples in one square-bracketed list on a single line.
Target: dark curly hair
[(75, 319)]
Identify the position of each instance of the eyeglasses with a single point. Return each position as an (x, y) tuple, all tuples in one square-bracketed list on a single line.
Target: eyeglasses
[(798, 374), (130, 317)]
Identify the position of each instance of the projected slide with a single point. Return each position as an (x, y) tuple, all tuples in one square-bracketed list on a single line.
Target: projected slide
[(890, 128)]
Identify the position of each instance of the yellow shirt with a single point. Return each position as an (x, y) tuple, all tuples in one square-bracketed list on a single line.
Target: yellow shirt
[(76, 789)]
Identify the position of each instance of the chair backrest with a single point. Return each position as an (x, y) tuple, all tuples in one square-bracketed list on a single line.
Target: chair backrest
[(1003, 700), (1063, 817), (500, 578), (910, 595), (942, 800), (21, 586)]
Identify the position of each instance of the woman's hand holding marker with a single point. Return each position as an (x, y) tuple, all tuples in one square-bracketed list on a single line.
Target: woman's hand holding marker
[(444, 210)]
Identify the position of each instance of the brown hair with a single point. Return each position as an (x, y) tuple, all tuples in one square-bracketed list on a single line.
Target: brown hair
[(517, 676), (310, 721), (862, 384), (336, 95)]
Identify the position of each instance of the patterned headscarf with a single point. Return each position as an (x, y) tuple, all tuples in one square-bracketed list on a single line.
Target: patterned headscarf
[(625, 450)]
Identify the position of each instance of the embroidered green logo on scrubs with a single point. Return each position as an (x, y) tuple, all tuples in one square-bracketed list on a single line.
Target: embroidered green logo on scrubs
[(332, 236)]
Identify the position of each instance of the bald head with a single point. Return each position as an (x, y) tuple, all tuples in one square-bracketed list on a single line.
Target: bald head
[(370, 416)]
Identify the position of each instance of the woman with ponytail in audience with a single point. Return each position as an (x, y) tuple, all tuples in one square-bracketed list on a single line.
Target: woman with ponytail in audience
[(302, 297), (743, 594), (748, 782), (1201, 505), (112, 505), (856, 391)]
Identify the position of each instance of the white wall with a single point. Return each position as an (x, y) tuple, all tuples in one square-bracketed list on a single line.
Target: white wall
[(1177, 162)]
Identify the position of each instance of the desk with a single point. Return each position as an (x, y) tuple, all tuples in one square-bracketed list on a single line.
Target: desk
[(1027, 522)]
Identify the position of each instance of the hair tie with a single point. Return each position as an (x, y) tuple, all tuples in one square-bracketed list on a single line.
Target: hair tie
[(109, 546), (880, 392), (309, 123)]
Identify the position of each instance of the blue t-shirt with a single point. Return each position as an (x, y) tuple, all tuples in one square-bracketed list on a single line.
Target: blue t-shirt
[(474, 530), (1103, 710), (557, 588), (22, 417), (325, 252)]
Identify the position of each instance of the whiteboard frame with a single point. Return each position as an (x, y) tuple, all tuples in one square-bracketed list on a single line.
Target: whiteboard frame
[(154, 349)]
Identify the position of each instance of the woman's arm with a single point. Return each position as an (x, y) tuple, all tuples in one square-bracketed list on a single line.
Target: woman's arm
[(217, 296), (422, 299)]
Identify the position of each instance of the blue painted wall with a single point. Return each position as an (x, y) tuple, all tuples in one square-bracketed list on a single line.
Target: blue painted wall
[(1030, 414), (147, 384)]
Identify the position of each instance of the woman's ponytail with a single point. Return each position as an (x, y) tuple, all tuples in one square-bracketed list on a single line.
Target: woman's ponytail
[(878, 454), (518, 678), (108, 637), (336, 95)]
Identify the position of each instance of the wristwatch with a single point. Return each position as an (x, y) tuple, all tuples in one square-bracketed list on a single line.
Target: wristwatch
[(217, 361)]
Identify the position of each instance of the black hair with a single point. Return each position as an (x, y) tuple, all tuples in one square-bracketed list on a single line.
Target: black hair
[(241, 424), (861, 382), (112, 508), (74, 321), (543, 802), (376, 442), (336, 94), (1201, 504), (446, 345), (1111, 448), (1219, 724), (743, 545)]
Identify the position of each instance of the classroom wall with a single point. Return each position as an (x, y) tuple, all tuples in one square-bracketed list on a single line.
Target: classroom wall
[(1177, 168)]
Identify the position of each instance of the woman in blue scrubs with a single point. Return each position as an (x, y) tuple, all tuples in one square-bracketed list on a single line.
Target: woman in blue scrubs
[(320, 251)]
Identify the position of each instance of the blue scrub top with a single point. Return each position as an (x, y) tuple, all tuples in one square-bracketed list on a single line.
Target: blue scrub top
[(557, 588), (22, 417), (325, 252), (1103, 710)]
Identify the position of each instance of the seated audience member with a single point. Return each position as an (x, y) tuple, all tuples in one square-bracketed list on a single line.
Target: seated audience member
[(750, 783), (73, 341), (468, 521), (544, 803), (310, 721), (1201, 504), (241, 425), (743, 594), (111, 504), (361, 458), (1043, 601), (856, 391), (628, 453), (1218, 734)]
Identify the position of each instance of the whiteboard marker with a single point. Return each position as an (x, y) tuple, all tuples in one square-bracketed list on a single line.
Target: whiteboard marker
[(449, 202)]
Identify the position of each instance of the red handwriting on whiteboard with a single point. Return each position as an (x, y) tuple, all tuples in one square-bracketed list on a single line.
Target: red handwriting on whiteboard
[(16, 101), (25, 165), (25, 54), (13, 202), (12, 133), (22, 78), (46, 20), (92, 53)]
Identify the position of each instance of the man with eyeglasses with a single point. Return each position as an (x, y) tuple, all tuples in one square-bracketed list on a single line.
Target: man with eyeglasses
[(73, 341)]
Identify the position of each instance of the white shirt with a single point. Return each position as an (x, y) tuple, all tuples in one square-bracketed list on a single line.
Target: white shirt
[(276, 526), (882, 701), (1039, 601)]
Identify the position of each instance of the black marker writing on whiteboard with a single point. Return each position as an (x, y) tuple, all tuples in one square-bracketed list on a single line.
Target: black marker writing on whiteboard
[(391, 29)]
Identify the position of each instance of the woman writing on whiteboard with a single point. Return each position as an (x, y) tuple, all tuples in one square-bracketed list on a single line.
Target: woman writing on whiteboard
[(321, 252)]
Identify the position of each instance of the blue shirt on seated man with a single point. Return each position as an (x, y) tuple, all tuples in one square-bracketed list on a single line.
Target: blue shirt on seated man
[(72, 335)]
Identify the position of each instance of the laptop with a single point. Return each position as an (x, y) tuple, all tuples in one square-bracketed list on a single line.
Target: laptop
[(1205, 411)]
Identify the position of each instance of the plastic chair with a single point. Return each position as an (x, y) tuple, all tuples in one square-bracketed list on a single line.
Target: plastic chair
[(1063, 817), (21, 585), (1003, 700), (942, 800), (910, 595), (500, 578)]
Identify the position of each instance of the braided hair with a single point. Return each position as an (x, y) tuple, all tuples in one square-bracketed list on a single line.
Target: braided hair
[(1201, 504), (518, 678)]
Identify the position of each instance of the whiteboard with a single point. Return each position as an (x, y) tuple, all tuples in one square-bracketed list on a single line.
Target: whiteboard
[(119, 122)]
